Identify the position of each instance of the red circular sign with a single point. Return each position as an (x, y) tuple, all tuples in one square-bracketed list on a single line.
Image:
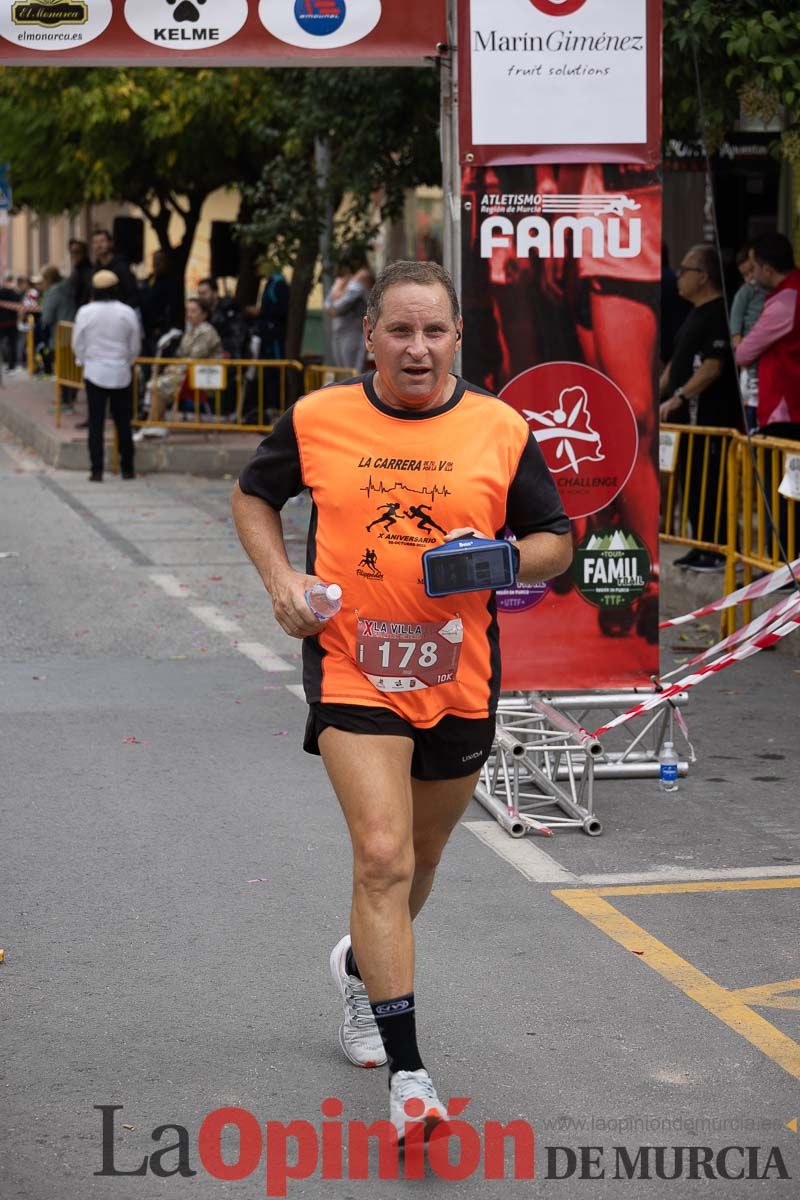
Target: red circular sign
[(558, 8), (585, 427)]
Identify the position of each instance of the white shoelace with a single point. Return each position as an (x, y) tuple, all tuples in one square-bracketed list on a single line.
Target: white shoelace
[(413, 1086), (358, 1003)]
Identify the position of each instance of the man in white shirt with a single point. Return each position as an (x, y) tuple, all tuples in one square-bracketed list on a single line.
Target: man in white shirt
[(106, 340)]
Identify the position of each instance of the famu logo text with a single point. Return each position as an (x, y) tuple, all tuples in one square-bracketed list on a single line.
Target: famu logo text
[(563, 226), (611, 568), (50, 15)]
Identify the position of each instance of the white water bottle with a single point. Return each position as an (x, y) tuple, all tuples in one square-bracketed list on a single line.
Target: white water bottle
[(668, 768), (324, 600)]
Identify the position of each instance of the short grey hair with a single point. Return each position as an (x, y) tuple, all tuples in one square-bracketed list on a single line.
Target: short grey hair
[(425, 273)]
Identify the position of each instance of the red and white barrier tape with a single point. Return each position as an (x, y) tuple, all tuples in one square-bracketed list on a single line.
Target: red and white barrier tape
[(755, 626), (785, 625), (761, 587)]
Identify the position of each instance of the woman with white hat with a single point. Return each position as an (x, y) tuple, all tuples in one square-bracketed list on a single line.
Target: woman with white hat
[(106, 340)]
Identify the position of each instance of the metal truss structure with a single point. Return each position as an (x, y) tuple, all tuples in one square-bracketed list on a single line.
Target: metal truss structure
[(543, 767)]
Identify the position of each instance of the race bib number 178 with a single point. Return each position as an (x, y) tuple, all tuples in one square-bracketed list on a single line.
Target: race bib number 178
[(399, 657)]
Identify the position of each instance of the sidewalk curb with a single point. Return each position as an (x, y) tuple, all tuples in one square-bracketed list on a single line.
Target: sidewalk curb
[(214, 459)]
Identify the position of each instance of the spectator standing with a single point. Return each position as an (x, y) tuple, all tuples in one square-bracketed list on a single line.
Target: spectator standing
[(774, 340), (200, 340), (747, 307), (160, 301), (674, 309), (106, 340), (57, 305), (10, 299), (698, 387), (346, 304), (29, 307), (105, 258), (80, 279), (226, 317), (273, 317)]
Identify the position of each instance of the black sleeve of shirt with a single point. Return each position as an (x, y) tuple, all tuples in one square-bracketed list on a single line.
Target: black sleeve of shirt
[(715, 339), (533, 504), (275, 473)]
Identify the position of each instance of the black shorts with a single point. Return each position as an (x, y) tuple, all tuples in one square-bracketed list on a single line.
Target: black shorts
[(451, 749)]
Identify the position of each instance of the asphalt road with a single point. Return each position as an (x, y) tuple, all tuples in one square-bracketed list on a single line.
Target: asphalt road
[(175, 872)]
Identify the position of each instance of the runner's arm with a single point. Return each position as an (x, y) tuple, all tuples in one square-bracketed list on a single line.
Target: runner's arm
[(260, 531), (542, 556)]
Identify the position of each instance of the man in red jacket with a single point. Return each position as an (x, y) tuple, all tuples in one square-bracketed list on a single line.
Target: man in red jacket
[(774, 340)]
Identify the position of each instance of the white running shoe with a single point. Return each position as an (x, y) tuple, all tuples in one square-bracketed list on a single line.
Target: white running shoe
[(414, 1085), (358, 1033)]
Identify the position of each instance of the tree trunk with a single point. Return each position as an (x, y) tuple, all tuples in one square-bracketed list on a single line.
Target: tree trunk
[(302, 282), (248, 279)]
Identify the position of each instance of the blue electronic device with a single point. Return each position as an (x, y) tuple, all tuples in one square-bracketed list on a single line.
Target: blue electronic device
[(469, 565)]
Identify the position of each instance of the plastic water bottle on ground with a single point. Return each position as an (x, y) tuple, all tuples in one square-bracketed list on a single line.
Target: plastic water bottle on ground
[(668, 768), (324, 600)]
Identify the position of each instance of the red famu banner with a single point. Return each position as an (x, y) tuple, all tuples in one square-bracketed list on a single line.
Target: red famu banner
[(561, 271)]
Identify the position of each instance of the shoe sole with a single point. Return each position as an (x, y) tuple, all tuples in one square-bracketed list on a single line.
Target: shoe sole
[(370, 1064), (432, 1121)]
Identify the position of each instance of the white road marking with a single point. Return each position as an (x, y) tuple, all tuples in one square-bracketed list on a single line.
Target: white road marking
[(681, 875), (263, 657), (539, 867), (215, 619), (298, 690), (526, 858), (172, 586)]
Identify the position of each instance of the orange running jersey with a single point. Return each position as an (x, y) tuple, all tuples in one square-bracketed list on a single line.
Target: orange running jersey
[(386, 485)]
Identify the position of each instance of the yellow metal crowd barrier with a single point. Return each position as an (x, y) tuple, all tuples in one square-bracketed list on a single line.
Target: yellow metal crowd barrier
[(69, 376), (711, 500), (230, 395), (319, 376), (243, 395), (30, 344)]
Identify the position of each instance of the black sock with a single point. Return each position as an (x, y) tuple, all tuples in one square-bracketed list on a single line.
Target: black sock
[(397, 1025), (350, 964)]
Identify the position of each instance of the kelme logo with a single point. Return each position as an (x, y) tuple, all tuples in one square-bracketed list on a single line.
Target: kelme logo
[(320, 17), (186, 24), (319, 24), (53, 24), (50, 14), (558, 8)]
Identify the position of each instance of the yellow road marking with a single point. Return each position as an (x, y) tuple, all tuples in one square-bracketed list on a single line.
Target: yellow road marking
[(771, 995), (727, 1006), (722, 885)]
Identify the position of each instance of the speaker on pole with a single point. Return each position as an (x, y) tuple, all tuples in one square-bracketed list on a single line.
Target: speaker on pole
[(129, 238), (224, 250)]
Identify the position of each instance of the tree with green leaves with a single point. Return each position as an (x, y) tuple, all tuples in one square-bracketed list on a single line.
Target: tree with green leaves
[(160, 138), (380, 130), (749, 61)]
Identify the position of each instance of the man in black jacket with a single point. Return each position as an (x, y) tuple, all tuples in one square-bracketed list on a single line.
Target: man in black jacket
[(105, 258)]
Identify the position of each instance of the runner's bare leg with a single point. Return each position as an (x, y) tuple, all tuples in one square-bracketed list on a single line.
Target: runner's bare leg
[(438, 807), (371, 778)]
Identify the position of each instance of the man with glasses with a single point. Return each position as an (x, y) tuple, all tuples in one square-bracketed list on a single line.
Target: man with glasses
[(698, 387)]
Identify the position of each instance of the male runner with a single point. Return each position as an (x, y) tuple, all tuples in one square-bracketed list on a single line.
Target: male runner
[(402, 688)]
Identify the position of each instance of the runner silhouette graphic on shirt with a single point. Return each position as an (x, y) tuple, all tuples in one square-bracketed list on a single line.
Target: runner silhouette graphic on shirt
[(370, 561), (389, 519), (419, 513)]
